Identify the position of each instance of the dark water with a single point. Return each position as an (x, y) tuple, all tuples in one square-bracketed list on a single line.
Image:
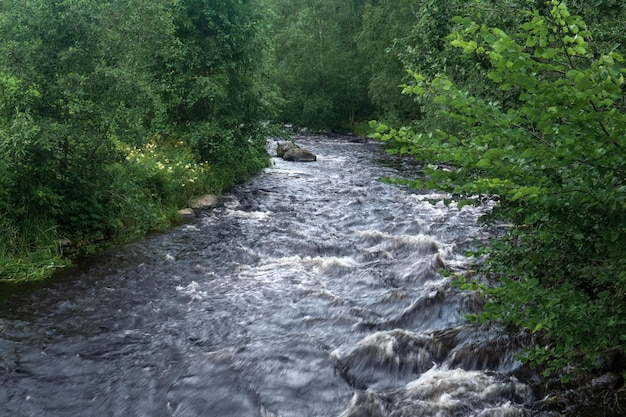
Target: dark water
[(313, 291)]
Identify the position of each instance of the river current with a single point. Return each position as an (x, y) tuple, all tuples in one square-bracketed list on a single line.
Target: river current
[(312, 290)]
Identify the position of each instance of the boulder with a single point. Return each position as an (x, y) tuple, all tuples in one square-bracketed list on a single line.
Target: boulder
[(299, 155), (186, 214), (204, 202), (283, 147), (608, 380)]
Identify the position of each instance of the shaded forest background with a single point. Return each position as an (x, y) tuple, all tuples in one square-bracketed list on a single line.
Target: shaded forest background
[(114, 114)]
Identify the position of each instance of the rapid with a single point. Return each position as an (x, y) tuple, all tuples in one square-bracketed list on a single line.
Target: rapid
[(312, 290)]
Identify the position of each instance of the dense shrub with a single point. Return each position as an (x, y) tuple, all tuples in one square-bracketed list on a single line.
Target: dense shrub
[(113, 114), (553, 153)]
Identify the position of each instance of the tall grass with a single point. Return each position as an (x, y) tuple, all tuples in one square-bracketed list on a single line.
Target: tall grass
[(29, 252)]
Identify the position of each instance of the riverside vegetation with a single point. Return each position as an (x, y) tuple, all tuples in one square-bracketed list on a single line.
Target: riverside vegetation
[(113, 114), (549, 142)]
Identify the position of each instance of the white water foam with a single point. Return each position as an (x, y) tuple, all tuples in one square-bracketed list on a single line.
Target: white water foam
[(192, 290), (442, 392)]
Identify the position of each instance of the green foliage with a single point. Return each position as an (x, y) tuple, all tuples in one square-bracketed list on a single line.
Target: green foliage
[(91, 127), (553, 153), (383, 39), (318, 68), (30, 252), (165, 169), (212, 85)]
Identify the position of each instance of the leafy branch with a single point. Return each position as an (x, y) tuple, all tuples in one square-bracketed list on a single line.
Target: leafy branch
[(544, 153)]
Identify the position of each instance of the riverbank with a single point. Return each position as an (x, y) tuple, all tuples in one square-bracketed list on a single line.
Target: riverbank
[(599, 393), (145, 197)]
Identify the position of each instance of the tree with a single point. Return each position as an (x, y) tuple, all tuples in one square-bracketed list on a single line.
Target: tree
[(90, 90), (318, 67), (211, 79), (554, 156), (407, 34), (385, 34)]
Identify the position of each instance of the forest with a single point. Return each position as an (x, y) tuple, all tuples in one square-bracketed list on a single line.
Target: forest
[(113, 114)]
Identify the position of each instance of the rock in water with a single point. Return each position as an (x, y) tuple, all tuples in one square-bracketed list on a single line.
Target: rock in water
[(299, 155), (283, 147), (204, 202), (186, 214)]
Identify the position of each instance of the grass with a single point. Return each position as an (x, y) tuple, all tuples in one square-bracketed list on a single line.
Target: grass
[(28, 253)]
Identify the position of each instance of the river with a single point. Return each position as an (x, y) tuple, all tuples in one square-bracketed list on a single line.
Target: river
[(312, 290)]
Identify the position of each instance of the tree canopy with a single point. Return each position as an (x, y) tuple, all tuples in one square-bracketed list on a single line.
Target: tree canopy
[(317, 66), (107, 108), (547, 137)]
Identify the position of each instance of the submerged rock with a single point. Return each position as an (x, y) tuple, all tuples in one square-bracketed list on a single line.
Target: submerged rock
[(384, 358), (446, 392)]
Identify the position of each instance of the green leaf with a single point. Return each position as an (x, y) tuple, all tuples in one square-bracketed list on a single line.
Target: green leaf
[(495, 76), (382, 128)]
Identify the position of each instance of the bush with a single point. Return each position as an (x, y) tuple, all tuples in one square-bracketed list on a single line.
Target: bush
[(168, 170), (554, 155), (87, 125)]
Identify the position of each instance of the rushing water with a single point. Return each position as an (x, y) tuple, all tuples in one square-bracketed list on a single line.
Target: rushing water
[(312, 291)]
